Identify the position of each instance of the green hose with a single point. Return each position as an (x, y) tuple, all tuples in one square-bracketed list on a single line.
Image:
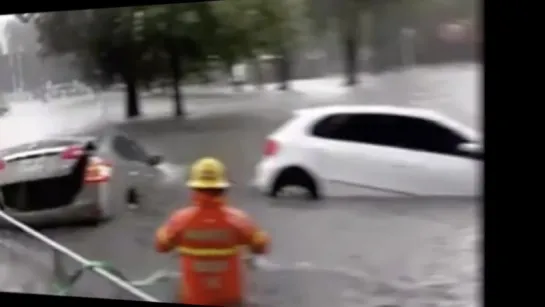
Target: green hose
[(159, 275), (65, 288)]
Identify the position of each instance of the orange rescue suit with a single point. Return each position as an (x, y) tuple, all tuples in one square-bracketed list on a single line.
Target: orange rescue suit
[(209, 236)]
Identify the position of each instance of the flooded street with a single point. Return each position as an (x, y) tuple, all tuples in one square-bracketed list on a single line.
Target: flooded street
[(336, 252)]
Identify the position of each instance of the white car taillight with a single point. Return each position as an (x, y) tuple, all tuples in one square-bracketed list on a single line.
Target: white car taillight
[(271, 148), (2, 165), (97, 170)]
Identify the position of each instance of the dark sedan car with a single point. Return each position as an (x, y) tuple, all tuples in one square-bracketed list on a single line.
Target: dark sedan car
[(75, 179)]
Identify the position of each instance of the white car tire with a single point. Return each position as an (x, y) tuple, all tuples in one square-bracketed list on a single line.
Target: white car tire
[(295, 176)]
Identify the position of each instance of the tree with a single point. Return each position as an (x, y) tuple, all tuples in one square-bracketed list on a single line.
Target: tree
[(106, 44), (231, 42), (20, 37), (143, 44), (424, 43), (121, 51), (178, 34), (247, 29), (278, 26), (346, 17)]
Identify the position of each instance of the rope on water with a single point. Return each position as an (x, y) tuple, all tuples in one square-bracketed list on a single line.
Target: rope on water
[(154, 278), (65, 287)]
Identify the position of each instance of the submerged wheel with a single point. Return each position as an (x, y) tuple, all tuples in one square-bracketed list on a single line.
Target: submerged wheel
[(295, 177)]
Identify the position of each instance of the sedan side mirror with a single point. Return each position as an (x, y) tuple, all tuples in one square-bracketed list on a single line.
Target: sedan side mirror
[(155, 160), (470, 148)]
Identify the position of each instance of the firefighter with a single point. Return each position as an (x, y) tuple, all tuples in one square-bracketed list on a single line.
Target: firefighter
[(210, 237)]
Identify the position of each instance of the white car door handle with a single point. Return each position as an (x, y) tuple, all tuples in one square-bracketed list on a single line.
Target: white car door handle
[(133, 173)]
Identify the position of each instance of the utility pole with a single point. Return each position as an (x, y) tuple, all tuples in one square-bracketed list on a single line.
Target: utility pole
[(20, 69), (406, 37), (11, 57), (408, 58)]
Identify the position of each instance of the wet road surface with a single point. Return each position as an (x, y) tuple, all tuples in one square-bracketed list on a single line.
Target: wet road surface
[(15, 273), (359, 252)]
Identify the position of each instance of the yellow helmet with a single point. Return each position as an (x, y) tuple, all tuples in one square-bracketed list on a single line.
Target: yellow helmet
[(208, 173)]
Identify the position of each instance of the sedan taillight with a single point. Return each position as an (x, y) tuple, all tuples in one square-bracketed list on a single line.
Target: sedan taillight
[(2, 165), (97, 170), (73, 152), (271, 148)]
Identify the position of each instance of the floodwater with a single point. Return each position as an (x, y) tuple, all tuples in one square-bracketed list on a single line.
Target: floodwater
[(344, 252)]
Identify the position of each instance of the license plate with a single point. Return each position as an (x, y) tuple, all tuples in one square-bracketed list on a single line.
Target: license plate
[(32, 166)]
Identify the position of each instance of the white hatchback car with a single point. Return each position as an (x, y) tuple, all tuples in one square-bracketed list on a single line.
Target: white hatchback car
[(371, 151)]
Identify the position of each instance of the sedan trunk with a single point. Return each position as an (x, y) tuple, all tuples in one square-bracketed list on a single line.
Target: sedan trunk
[(44, 194)]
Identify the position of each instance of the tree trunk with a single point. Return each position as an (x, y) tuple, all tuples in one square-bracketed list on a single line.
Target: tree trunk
[(176, 66), (132, 107), (350, 61), (258, 73), (235, 82), (284, 71)]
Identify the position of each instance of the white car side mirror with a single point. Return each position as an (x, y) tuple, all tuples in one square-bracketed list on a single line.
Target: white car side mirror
[(470, 147)]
